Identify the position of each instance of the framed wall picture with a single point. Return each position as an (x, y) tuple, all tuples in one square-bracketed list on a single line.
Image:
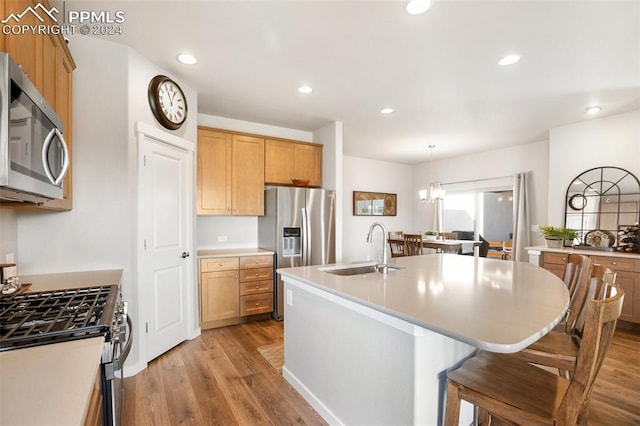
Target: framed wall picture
[(374, 204)]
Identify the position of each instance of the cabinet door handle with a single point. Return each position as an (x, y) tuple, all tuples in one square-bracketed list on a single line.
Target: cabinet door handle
[(257, 303), (258, 287)]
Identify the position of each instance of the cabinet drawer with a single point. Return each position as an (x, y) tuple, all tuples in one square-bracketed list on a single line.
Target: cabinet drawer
[(247, 262), (256, 304), (214, 264), (618, 263), (256, 287), (555, 258), (259, 274)]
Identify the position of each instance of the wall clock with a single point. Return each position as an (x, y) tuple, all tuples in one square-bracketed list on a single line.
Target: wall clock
[(578, 202), (167, 101)]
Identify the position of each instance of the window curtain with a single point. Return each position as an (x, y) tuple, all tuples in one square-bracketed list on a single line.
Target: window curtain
[(437, 215), (521, 222)]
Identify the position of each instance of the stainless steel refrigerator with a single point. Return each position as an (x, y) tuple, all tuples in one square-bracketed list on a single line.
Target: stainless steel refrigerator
[(299, 226)]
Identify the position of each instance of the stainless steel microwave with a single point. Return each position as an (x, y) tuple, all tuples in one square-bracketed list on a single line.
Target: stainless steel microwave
[(33, 154)]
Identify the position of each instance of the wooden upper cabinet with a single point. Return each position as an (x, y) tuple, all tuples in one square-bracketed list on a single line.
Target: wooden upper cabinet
[(248, 176), (230, 174), (214, 172), (25, 49), (308, 163), (286, 160)]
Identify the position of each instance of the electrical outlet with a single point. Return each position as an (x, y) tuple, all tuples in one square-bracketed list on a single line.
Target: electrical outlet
[(9, 258), (289, 297), (222, 238)]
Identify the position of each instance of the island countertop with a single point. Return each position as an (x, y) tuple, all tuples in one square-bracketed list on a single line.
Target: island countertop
[(492, 304)]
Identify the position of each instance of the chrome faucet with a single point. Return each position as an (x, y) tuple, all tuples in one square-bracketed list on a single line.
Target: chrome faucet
[(380, 267)]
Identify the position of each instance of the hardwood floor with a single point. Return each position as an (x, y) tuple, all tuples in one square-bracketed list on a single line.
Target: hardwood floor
[(220, 378)]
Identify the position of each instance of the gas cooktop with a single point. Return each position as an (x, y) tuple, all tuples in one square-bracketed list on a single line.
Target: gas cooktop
[(32, 319)]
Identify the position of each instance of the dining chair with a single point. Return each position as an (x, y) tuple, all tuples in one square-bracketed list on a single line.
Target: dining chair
[(559, 349), (448, 235), (514, 391), (413, 244), (396, 243)]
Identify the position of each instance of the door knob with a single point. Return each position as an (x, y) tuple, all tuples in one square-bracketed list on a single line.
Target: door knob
[(185, 254)]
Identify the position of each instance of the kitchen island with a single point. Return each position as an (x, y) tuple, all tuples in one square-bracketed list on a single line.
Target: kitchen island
[(374, 349)]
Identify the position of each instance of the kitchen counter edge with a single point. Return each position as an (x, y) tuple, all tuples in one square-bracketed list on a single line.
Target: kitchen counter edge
[(233, 252)]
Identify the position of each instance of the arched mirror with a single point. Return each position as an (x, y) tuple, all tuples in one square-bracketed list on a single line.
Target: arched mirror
[(603, 205)]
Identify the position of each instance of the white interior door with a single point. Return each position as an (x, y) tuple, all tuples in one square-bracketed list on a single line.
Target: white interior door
[(165, 219)]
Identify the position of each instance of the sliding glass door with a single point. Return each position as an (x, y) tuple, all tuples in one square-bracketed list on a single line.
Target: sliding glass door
[(484, 213)]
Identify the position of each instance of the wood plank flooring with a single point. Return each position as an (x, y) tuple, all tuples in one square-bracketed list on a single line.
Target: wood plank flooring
[(220, 378)]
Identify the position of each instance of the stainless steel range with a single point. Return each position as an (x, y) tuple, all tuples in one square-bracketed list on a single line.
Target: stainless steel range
[(56, 316)]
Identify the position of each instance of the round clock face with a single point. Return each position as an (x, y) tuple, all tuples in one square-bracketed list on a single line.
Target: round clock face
[(578, 202), (167, 102)]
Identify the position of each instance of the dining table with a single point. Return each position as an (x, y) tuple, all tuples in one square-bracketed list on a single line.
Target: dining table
[(452, 246)]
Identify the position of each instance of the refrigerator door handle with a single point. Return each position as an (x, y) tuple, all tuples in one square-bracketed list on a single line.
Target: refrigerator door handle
[(305, 238)]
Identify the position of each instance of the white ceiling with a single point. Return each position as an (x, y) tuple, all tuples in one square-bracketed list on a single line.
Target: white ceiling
[(438, 70)]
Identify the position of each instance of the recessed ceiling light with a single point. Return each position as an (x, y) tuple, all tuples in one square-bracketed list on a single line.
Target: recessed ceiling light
[(386, 110), (305, 89), (416, 7), (509, 60), (187, 59), (594, 109)]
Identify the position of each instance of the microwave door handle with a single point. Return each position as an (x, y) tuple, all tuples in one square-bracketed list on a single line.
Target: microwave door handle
[(65, 156)]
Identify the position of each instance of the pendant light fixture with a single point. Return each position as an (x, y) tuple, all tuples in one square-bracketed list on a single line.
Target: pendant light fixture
[(435, 192)]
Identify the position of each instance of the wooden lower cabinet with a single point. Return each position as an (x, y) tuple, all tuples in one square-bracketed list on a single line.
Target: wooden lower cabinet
[(555, 262), (234, 288), (93, 417), (627, 277)]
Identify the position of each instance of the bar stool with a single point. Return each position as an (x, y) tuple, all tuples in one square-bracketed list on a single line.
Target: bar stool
[(509, 389)]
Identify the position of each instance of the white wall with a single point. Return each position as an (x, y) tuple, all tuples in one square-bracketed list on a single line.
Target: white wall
[(374, 176), (330, 136), (575, 148), (500, 163), (8, 234), (240, 231), (109, 97)]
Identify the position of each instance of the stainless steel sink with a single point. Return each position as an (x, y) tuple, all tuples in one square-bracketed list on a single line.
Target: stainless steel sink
[(354, 270)]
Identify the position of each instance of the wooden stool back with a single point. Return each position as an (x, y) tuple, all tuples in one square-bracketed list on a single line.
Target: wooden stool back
[(513, 390)]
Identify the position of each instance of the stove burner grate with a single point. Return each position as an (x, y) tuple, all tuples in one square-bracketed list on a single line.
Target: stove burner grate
[(31, 319)]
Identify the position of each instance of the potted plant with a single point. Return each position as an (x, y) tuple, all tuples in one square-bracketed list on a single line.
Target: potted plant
[(554, 236), (431, 235)]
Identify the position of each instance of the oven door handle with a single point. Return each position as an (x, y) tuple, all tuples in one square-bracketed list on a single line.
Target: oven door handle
[(118, 362), (110, 368)]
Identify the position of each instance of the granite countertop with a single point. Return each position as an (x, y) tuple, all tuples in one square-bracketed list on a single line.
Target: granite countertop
[(588, 252), (52, 384), (491, 304), (232, 252)]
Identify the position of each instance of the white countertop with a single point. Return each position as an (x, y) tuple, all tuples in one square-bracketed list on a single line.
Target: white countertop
[(50, 384), (492, 304), (65, 280), (233, 252), (569, 250)]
